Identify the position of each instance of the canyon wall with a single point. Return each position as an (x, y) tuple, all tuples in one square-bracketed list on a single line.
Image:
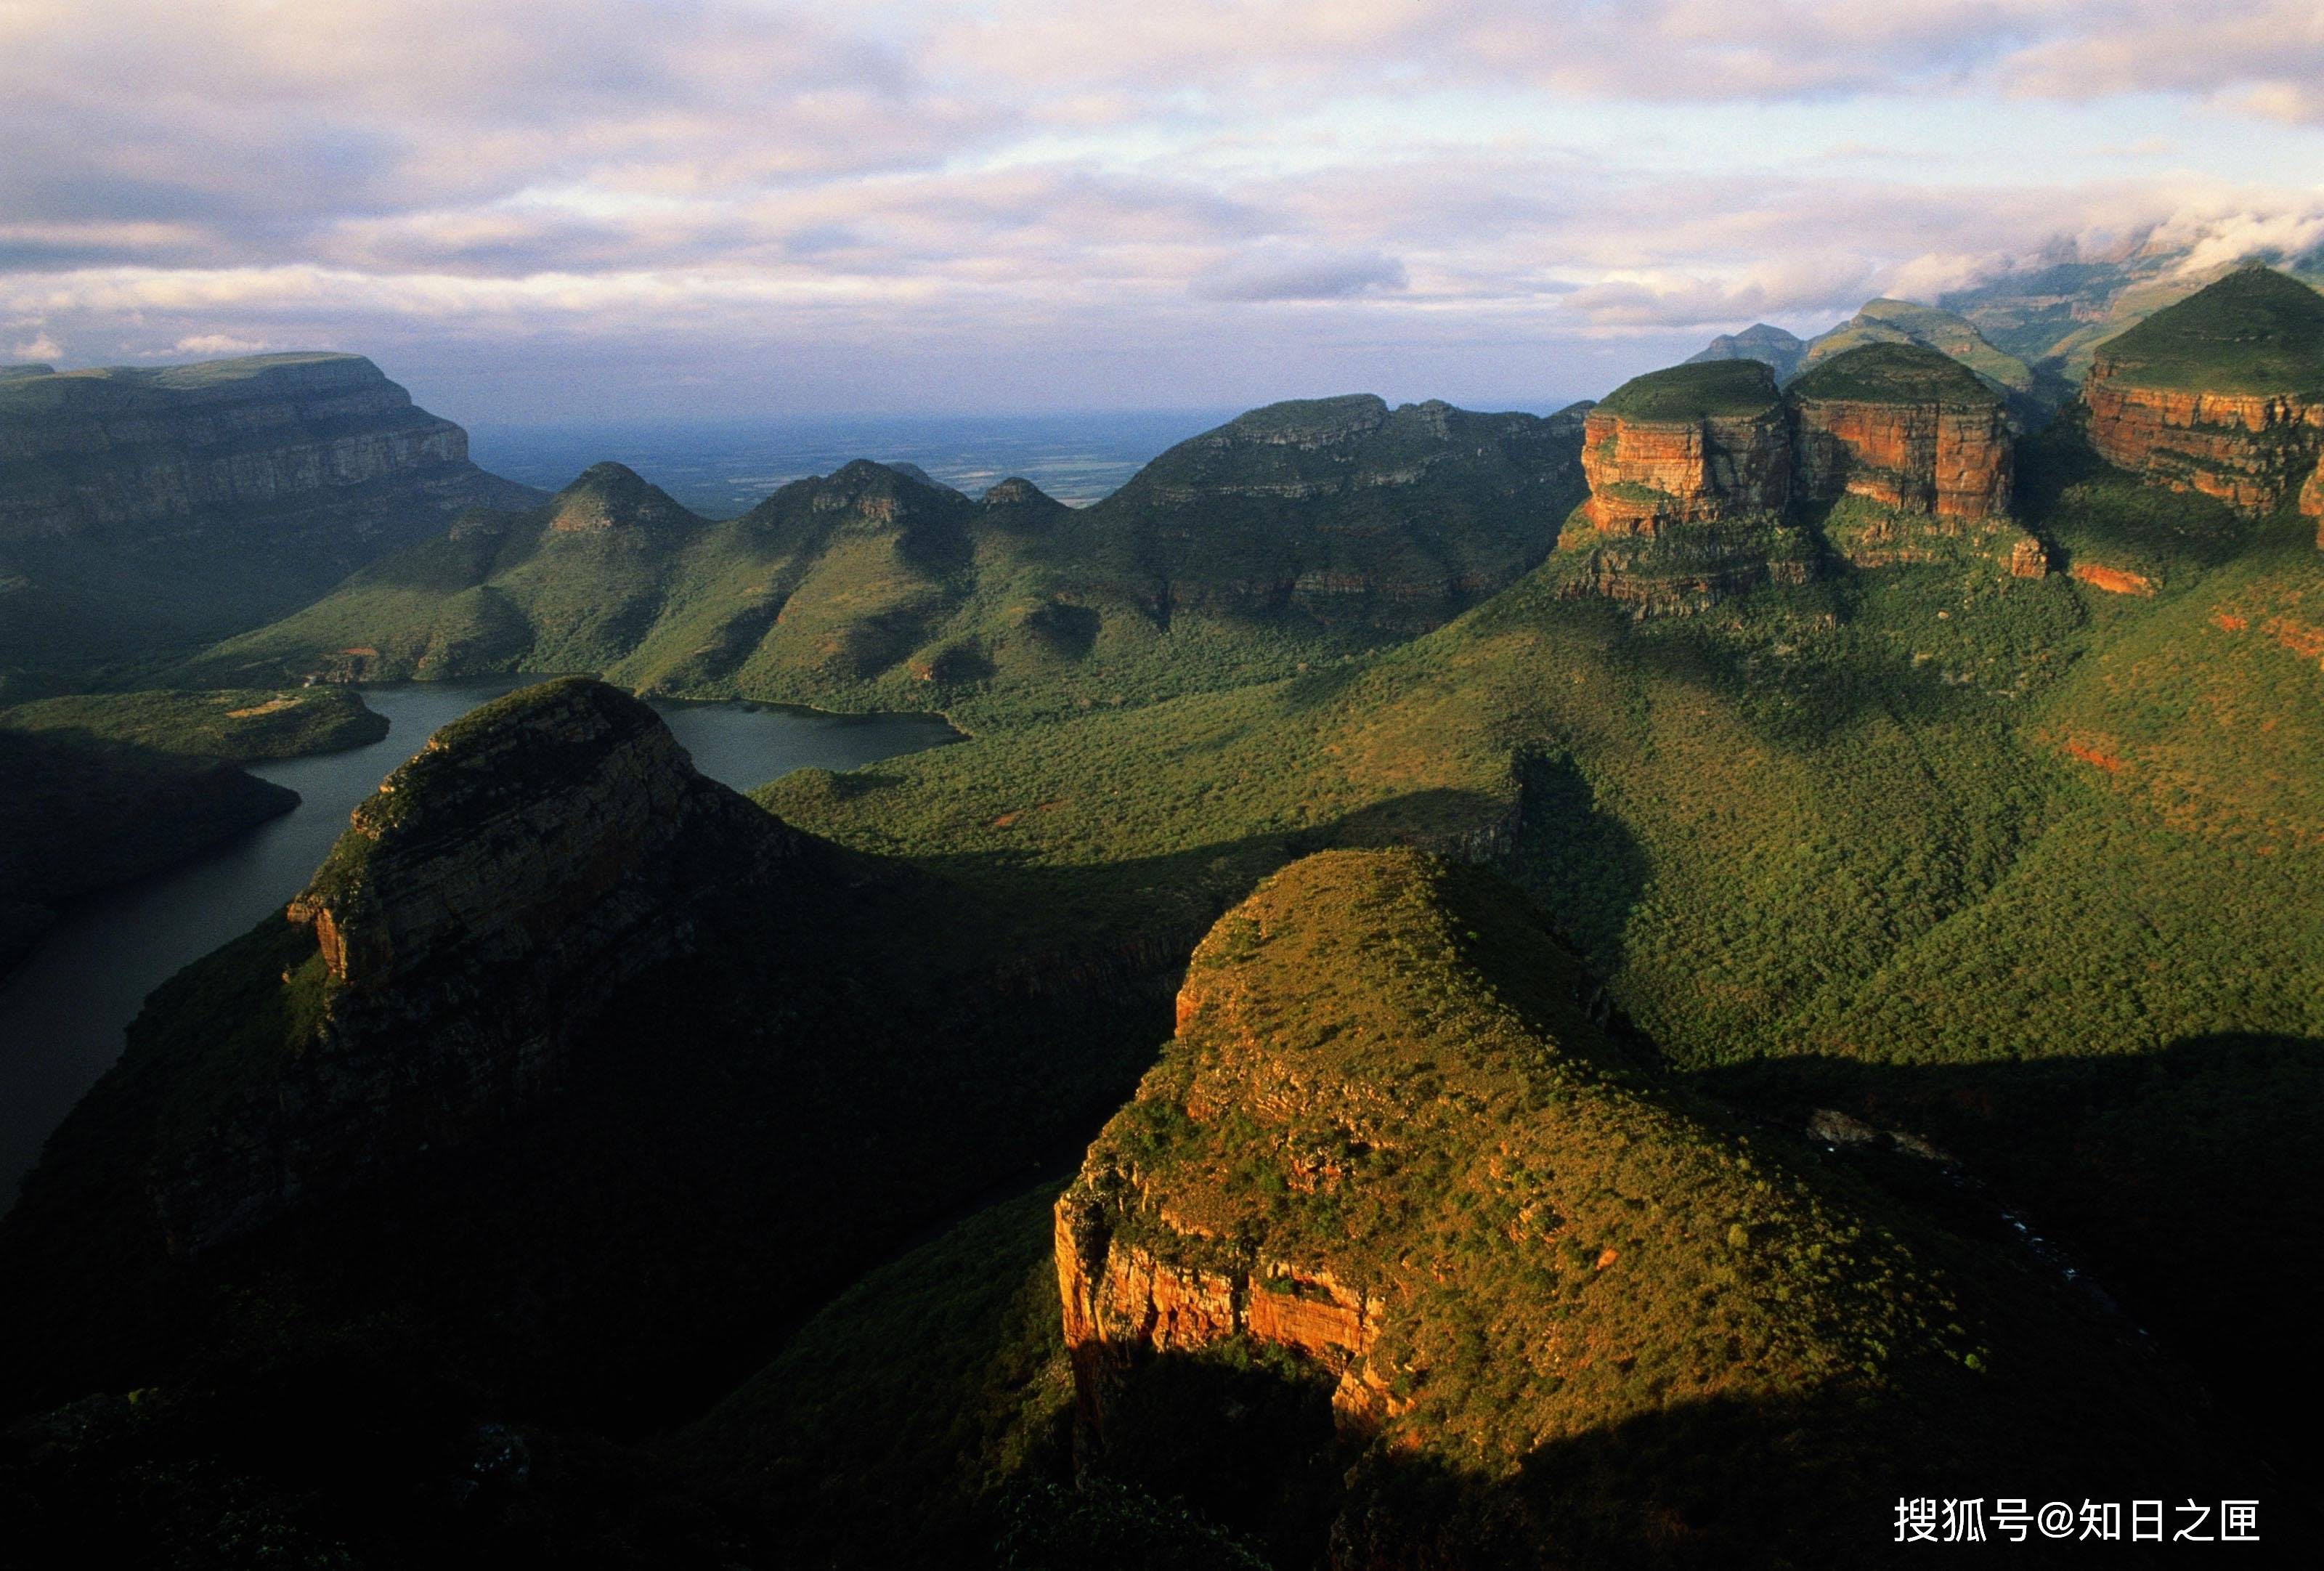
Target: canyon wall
[(146, 506), (2248, 450), (101, 452), (1948, 460), (1648, 475)]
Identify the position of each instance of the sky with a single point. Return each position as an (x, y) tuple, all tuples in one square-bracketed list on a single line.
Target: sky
[(537, 211)]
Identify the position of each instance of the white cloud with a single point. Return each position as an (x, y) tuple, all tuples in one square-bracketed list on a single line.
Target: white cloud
[(212, 344), (41, 347), (784, 200)]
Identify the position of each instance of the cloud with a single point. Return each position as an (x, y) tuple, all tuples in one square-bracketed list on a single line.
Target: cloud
[(1300, 275), (203, 345), (41, 347), (902, 200)]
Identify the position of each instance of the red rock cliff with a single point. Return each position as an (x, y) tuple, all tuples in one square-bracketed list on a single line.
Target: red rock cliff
[(2248, 449), (1954, 461), (1648, 476)]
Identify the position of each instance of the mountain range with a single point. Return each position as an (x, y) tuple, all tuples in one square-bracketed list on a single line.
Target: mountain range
[(1624, 989)]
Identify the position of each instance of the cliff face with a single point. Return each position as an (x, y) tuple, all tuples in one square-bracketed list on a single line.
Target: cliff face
[(2222, 393), (1906, 427), (1389, 1156), (1954, 462), (2248, 449), (1648, 475), (140, 505), (479, 913), (1690, 473), (98, 452)]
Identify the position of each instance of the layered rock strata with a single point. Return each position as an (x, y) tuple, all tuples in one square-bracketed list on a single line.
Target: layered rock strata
[(1902, 426), (2221, 394), (2248, 449), (104, 451), (1702, 443)]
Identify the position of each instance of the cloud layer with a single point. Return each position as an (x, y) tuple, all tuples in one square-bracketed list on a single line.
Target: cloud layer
[(537, 207)]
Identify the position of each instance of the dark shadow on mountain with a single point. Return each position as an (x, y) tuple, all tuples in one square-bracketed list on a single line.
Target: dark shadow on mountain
[(1810, 1480), (1581, 864), (2188, 1185)]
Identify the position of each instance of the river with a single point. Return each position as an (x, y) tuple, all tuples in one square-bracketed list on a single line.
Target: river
[(62, 1015)]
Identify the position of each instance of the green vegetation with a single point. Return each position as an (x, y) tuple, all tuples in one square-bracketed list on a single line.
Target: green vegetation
[(101, 789), (244, 723), (1917, 815), (1700, 390), (2007, 866), (938, 1379), (1292, 537), (1880, 373), (1385, 1071), (2256, 330), (1905, 322)]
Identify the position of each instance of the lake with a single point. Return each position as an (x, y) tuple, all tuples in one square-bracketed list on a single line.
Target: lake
[(62, 1015)]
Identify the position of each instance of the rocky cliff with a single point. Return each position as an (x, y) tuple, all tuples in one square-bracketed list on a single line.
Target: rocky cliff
[(474, 918), (1700, 443), (139, 502), (1388, 1157), (2222, 394), (1906, 427)]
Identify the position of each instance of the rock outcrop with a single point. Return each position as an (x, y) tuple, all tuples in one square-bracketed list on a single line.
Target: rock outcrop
[(479, 911), (2222, 394), (222, 492), (2247, 450), (1700, 443), (1906, 428), (1389, 1160)]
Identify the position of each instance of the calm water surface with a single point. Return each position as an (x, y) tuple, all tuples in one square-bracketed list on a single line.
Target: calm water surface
[(62, 1015)]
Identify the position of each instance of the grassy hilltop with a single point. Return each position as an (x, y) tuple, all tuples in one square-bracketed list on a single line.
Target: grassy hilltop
[(2257, 330), (1298, 533)]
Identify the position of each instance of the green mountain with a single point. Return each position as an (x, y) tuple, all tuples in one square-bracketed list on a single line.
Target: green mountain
[(105, 788), (1873, 1053), (2055, 311), (2256, 330), (1897, 321), (1772, 347), (142, 507), (1297, 533)]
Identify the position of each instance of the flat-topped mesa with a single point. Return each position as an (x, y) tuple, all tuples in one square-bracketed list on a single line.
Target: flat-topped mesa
[(2222, 394), (127, 446), (471, 924), (1700, 443), (1904, 426)]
